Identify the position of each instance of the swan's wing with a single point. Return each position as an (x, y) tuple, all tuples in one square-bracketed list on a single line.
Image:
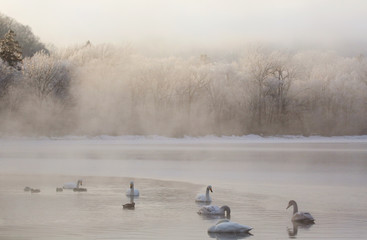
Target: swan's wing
[(303, 216), (235, 227), (202, 198), (204, 210), (209, 210), (136, 192), (222, 221), (307, 216), (229, 227)]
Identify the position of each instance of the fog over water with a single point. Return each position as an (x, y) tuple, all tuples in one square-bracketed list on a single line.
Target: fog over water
[(256, 179)]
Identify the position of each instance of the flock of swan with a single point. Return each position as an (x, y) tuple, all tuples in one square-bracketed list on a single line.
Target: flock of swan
[(222, 226), (74, 186)]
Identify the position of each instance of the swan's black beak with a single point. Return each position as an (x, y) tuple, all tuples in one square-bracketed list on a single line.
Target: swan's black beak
[(211, 189), (288, 206), (131, 186)]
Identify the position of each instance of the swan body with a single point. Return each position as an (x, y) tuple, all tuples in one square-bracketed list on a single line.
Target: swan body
[(226, 226), (131, 191), (303, 217), (73, 185), (205, 197), (215, 210)]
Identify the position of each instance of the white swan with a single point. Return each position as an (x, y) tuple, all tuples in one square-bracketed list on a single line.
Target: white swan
[(226, 226), (215, 210), (73, 185), (206, 197), (131, 191), (304, 217)]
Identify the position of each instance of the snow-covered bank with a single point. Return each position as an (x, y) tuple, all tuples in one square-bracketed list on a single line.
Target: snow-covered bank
[(153, 139)]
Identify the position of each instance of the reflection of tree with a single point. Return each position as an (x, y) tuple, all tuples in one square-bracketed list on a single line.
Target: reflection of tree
[(292, 232)]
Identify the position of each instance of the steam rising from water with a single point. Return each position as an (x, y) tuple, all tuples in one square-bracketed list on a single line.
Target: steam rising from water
[(103, 89)]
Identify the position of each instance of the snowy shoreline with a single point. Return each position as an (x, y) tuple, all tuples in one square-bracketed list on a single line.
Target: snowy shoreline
[(154, 139)]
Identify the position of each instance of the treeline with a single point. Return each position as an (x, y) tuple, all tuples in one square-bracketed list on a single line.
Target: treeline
[(103, 89), (30, 43)]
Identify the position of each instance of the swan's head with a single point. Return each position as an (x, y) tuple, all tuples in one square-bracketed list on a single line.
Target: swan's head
[(80, 182), (209, 188), (131, 184), (291, 203)]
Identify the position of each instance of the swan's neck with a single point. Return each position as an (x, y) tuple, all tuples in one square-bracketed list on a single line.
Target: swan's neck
[(77, 184), (226, 210), (207, 194), (132, 190), (295, 207)]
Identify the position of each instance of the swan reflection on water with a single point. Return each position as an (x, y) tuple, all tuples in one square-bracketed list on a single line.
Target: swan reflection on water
[(214, 217), (229, 236), (130, 205), (292, 232)]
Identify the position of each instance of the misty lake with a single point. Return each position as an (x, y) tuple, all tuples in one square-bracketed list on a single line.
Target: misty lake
[(256, 180)]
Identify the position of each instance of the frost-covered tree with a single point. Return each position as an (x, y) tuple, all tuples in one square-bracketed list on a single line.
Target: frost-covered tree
[(46, 76), (6, 77), (10, 51), (258, 66), (24, 35)]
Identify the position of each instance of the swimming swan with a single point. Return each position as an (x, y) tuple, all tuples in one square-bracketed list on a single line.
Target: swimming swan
[(73, 185), (132, 191), (206, 197), (226, 226), (215, 210), (304, 217)]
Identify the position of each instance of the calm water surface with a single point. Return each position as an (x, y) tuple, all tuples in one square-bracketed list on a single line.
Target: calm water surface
[(255, 180)]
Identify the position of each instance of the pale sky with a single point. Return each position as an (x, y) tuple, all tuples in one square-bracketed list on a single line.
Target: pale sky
[(194, 22)]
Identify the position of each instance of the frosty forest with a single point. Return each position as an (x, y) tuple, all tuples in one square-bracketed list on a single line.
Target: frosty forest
[(94, 89)]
